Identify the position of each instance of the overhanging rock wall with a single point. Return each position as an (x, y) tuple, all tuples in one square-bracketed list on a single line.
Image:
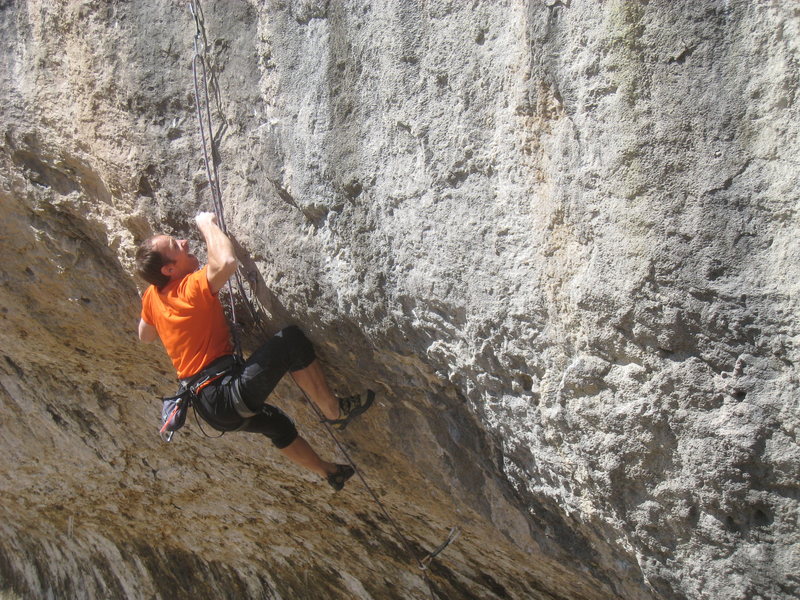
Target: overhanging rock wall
[(559, 238)]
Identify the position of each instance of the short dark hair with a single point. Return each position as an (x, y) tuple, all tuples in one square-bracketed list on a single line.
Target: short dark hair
[(149, 263)]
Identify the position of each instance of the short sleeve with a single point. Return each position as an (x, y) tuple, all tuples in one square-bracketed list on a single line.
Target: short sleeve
[(196, 288), (146, 311)]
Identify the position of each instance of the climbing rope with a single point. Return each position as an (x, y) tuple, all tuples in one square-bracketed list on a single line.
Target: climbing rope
[(209, 147), (422, 563), (211, 161)]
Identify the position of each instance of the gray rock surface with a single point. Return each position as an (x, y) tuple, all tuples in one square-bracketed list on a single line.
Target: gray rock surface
[(558, 237)]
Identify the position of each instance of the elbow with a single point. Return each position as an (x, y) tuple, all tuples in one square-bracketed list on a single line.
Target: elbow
[(147, 333)]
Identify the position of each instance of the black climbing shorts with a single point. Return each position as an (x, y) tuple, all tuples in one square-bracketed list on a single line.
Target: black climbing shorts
[(288, 350)]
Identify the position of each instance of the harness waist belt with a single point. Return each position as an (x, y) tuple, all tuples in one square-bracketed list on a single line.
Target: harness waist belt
[(219, 367), (214, 371)]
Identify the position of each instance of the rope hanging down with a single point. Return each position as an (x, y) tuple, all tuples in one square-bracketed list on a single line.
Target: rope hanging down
[(209, 147), (211, 161)]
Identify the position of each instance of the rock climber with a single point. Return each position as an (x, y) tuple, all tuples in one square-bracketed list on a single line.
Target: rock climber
[(182, 308)]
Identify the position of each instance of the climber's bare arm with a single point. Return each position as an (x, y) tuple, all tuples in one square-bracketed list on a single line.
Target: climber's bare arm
[(222, 261), (147, 333)]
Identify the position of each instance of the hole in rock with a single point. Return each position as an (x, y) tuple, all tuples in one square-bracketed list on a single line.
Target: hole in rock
[(731, 524), (761, 518), (525, 381)]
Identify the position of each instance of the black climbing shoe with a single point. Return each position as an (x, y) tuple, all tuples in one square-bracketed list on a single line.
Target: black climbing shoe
[(349, 409), (339, 476)]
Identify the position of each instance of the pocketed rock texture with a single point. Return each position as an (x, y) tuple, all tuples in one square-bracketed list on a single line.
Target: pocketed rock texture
[(559, 238)]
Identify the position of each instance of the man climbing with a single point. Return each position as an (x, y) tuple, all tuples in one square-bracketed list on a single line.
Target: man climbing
[(181, 307)]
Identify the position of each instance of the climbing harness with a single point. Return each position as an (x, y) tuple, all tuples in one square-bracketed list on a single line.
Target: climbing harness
[(211, 161), (175, 408)]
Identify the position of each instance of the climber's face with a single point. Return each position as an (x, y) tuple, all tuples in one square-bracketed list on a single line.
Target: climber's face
[(179, 262)]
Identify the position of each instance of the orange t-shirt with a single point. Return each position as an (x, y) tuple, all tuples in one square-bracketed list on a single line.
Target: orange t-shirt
[(189, 321)]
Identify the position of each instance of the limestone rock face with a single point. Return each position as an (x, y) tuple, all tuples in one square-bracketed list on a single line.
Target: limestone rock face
[(559, 239)]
